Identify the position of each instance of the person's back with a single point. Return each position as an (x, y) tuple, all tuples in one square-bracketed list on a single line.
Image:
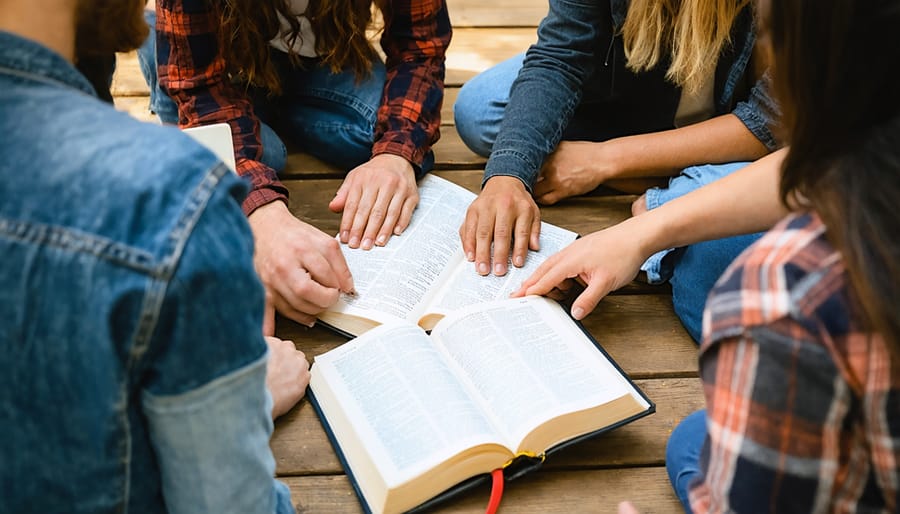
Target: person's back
[(133, 370)]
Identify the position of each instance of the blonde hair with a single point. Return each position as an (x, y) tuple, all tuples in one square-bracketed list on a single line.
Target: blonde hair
[(693, 32)]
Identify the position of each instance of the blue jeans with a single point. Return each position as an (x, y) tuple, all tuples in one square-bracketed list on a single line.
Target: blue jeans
[(328, 115), (693, 270), (683, 455)]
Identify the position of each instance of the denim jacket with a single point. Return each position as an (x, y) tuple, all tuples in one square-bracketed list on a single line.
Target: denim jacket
[(132, 370), (576, 72)]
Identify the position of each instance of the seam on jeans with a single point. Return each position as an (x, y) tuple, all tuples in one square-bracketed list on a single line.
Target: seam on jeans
[(34, 77), (155, 295), (651, 197), (182, 402), (79, 242)]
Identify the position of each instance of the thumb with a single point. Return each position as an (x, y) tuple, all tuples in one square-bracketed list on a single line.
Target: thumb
[(340, 198)]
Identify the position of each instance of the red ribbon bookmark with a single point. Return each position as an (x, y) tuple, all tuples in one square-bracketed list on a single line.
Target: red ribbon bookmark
[(496, 491)]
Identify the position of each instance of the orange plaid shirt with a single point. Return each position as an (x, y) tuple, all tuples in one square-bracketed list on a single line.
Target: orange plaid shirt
[(803, 404), (193, 72)]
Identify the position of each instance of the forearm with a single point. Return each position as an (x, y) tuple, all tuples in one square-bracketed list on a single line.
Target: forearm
[(415, 42), (718, 140), (744, 202)]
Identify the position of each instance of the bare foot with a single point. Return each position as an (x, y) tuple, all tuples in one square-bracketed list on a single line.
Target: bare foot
[(639, 206)]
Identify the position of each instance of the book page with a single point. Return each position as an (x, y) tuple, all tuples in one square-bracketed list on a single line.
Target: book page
[(398, 279), (528, 362), (466, 287), (403, 401)]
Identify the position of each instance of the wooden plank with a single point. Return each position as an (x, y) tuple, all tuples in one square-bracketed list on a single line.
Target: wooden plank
[(597, 491), (137, 106), (302, 448), (496, 13), (127, 80), (472, 51), (644, 336), (475, 50)]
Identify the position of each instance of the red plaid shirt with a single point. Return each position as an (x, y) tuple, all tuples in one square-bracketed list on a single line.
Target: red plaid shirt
[(803, 405), (193, 72)]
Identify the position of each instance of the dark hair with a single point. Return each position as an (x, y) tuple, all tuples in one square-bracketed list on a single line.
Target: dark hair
[(836, 72), (247, 27)]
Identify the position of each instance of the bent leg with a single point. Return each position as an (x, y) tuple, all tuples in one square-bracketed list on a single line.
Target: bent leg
[(693, 270), (478, 110), (683, 455), (330, 115)]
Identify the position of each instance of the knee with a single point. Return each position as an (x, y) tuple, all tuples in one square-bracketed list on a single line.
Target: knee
[(470, 115)]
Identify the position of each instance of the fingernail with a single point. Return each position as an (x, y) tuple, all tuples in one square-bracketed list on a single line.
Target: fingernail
[(470, 256), (398, 231), (483, 268), (354, 242), (367, 243), (519, 261), (498, 269), (311, 324), (381, 240), (351, 292), (344, 235), (577, 313)]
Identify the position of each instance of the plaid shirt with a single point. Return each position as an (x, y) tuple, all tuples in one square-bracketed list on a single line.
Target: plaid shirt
[(802, 404), (193, 72)]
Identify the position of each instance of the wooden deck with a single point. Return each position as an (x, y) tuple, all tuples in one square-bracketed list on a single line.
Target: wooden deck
[(637, 325)]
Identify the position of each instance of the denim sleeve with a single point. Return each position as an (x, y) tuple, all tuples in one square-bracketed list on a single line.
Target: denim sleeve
[(760, 113), (212, 445), (203, 391), (549, 87)]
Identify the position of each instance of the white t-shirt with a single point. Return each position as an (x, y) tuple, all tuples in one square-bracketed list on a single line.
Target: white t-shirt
[(305, 44), (697, 107)]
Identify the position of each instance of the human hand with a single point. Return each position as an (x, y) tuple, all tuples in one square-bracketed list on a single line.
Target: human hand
[(377, 199), (287, 375), (603, 261), (504, 214), (575, 168), (301, 267)]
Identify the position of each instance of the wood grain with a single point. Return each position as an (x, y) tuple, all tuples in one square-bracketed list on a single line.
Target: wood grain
[(595, 491)]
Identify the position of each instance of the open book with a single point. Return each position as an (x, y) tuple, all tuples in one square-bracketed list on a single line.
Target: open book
[(423, 275), (413, 415)]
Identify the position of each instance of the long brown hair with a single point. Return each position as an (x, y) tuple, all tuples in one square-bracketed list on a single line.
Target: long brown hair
[(247, 27), (692, 32), (836, 72)]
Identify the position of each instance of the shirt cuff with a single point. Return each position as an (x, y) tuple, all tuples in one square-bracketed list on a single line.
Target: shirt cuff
[(265, 187), (510, 163)]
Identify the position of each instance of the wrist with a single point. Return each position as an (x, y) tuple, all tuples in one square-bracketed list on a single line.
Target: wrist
[(268, 214), (505, 182), (650, 233), (393, 162), (609, 158)]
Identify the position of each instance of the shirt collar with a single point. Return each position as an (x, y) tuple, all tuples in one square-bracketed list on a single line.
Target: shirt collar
[(32, 61)]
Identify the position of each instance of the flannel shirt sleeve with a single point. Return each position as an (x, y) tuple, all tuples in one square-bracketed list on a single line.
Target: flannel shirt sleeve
[(415, 39), (192, 72), (778, 402), (769, 446)]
